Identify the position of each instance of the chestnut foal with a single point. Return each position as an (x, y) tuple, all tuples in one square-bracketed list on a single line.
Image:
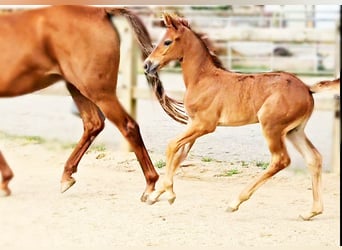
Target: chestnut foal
[(214, 96)]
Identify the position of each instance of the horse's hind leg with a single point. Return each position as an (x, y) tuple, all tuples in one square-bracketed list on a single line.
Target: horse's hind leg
[(129, 128), (313, 160), (6, 174), (280, 160), (93, 123)]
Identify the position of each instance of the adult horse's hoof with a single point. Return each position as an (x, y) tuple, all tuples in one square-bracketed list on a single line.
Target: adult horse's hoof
[(67, 184), (144, 197), (4, 193)]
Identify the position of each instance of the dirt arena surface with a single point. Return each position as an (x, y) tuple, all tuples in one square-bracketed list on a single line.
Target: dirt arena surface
[(103, 208)]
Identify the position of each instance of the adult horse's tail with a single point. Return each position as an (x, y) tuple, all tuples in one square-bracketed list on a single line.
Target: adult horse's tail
[(172, 107)]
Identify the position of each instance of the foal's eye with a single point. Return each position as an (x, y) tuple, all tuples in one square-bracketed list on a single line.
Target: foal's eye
[(167, 42)]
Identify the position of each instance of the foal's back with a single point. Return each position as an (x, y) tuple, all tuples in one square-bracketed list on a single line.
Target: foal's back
[(242, 98)]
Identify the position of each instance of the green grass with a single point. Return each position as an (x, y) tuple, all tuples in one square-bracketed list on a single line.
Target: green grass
[(98, 148), (230, 172), (207, 159), (24, 139), (160, 164), (261, 164)]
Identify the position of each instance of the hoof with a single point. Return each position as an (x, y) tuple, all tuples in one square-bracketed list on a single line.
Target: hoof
[(308, 216), (144, 197), (231, 209), (171, 200), (150, 202), (67, 184), (4, 193), (153, 197)]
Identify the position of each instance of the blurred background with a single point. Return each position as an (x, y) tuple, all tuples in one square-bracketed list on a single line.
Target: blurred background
[(253, 38)]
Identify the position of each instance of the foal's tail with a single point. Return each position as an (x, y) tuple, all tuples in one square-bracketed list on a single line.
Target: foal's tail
[(333, 85), (172, 107)]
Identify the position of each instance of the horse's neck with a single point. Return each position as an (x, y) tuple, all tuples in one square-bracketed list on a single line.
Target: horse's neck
[(196, 61)]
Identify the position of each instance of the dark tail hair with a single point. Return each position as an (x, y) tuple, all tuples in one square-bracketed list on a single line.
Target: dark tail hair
[(175, 109)]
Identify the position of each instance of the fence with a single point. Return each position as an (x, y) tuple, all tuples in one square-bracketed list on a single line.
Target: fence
[(240, 36)]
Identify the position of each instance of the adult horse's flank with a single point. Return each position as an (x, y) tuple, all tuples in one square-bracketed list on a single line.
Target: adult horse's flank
[(78, 44), (214, 96)]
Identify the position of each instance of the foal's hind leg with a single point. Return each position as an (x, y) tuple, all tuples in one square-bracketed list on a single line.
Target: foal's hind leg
[(6, 174), (313, 160), (93, 122), (129, 128), (280, 160)]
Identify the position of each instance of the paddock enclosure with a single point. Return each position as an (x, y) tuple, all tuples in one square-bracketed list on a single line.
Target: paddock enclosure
[(97, 211)]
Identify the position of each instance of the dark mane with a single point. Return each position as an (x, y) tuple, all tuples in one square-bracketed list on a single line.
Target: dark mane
[(210, 47), (206, 42)]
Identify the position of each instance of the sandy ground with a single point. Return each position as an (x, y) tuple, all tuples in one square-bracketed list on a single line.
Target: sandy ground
[(103, 208)]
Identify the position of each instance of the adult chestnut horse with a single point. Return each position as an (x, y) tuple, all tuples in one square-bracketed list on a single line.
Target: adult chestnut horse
[(80, 45), (214, 96)]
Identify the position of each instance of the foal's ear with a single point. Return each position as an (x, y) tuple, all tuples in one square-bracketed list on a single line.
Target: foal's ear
[(169, 21)]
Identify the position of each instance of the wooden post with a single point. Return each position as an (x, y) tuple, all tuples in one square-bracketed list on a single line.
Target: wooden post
[(128, 70), (336, 147), (335, 161)]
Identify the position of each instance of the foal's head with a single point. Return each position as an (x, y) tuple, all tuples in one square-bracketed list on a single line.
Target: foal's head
[(170, 47)]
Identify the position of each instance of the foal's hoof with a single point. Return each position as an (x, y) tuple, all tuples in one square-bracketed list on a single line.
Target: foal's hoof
[(150, 202), (152, 198), (231, 209), (309, 215), (171, 200), (67, 184)]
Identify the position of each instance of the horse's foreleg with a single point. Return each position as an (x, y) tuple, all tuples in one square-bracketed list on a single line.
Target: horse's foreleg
[(177, 151), (93, 122), (6, 174), (130, 130), (172, 163)]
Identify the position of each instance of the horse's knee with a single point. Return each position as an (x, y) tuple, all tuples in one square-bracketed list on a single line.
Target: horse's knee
[(280, 163), (94, 127), (315, 163), (131, 129)]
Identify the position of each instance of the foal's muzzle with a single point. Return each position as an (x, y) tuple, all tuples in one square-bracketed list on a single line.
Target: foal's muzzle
[(150, 68)]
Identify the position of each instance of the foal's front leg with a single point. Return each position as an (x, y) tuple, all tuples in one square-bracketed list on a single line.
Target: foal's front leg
[(174, 159), (177, 151)]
